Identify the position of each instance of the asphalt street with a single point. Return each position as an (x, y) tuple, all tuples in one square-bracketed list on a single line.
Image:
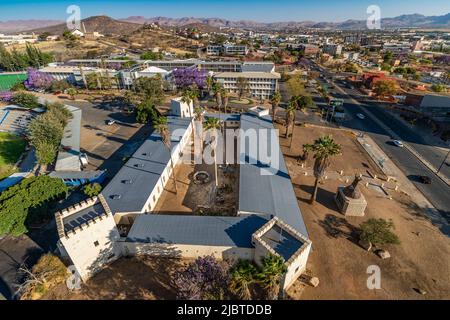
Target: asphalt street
[(438, 192)]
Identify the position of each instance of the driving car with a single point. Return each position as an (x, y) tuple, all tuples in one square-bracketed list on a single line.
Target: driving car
[(398, 143), (361, 116)]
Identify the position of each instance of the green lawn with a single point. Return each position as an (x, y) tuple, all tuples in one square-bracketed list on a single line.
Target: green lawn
[(11, 147)]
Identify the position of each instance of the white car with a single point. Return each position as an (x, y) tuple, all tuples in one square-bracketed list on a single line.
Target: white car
[(398, 143), (361, 116), (110, 122)]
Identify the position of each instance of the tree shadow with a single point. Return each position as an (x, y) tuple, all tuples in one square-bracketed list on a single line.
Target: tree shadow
[(338, 227), (324, 197)]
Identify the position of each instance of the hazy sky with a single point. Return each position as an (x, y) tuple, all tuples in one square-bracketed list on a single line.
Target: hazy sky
[(259, 10)]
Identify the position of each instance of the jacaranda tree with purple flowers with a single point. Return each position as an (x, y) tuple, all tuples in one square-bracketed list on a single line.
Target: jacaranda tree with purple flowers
[(186, 77), (38, 80), (204, 279)]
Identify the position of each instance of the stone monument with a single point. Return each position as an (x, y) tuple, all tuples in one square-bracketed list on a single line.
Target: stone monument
[(350, 200)]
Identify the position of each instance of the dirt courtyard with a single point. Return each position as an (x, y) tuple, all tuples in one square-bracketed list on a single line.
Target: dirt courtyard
[(421, 261)]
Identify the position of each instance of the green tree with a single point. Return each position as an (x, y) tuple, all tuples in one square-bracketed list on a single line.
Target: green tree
[(92, 190), (243, 274), (150, 88), (324, 149), (150, 55), (146, 112), (378, 232), (295, 86), (438, 88), (45, 152), (25, 100), (217, 88), (30, 201), (290, 115), (385, 88), (272, 270)]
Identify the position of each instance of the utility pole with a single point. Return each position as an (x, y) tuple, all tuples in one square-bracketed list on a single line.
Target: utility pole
[(442, 164)]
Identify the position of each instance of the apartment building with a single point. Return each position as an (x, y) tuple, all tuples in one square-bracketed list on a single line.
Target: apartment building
[(227, 49), (308, 49), (261, 85), (332, 49)]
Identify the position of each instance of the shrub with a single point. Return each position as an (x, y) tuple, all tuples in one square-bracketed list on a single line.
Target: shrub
[(92, 190), (378, 231), (25, 100)]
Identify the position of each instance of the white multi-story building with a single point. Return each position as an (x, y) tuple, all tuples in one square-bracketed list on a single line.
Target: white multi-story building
[(227, 49), (18, 39), (260, 84)]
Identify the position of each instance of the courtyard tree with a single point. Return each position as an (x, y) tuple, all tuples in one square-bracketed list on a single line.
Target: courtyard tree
[(45, 152), (242, 86), (186, 77), (243, 274), (213, 125), (209, 83), (161, 127), (225, 97), (149, 89), (272, 270), (146, 112), (324, 149), (217, 88), (378, 232), (275, 100)]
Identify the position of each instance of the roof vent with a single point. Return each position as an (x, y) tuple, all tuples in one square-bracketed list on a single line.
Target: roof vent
[(116, 196), (128, 181), (139, 165)]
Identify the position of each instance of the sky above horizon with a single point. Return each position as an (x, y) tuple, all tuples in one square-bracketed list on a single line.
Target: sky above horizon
[(257, 10)]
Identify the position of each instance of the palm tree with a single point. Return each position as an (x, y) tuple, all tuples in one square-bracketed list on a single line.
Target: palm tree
[(209, 83), (275, 100), (306, 150), (160, 125), (214, 125), (242, 275), (217, 93), (224, 96), (188, 97), (242, 86), (198, 117), (272, 270), (323, 148), (72, 92), (290, 115)]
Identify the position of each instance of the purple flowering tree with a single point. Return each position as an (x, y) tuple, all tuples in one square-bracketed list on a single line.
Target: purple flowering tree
[(205, 278), (6, 96), (186, 77), (38, 80)]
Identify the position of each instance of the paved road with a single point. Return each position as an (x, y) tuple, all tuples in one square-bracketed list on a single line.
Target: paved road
[(438, 192)]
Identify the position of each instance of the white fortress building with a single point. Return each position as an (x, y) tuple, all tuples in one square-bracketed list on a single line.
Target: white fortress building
[(120, 221)]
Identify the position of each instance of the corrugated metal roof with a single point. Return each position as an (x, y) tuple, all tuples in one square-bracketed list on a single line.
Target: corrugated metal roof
[(144, 169), (267, 194), (435, 101), (196, 230)]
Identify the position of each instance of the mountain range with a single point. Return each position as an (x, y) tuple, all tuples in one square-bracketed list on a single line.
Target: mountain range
[(101, 23)]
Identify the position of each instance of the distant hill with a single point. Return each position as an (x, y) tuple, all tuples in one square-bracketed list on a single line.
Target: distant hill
[(13, 26), (412, 21), (103, 24), (107, 25)]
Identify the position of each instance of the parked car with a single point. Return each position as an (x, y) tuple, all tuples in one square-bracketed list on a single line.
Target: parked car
[(398, 143), (361, 116), (110, 122)]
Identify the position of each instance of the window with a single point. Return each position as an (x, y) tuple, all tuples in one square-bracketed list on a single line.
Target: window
[(96, 243)]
